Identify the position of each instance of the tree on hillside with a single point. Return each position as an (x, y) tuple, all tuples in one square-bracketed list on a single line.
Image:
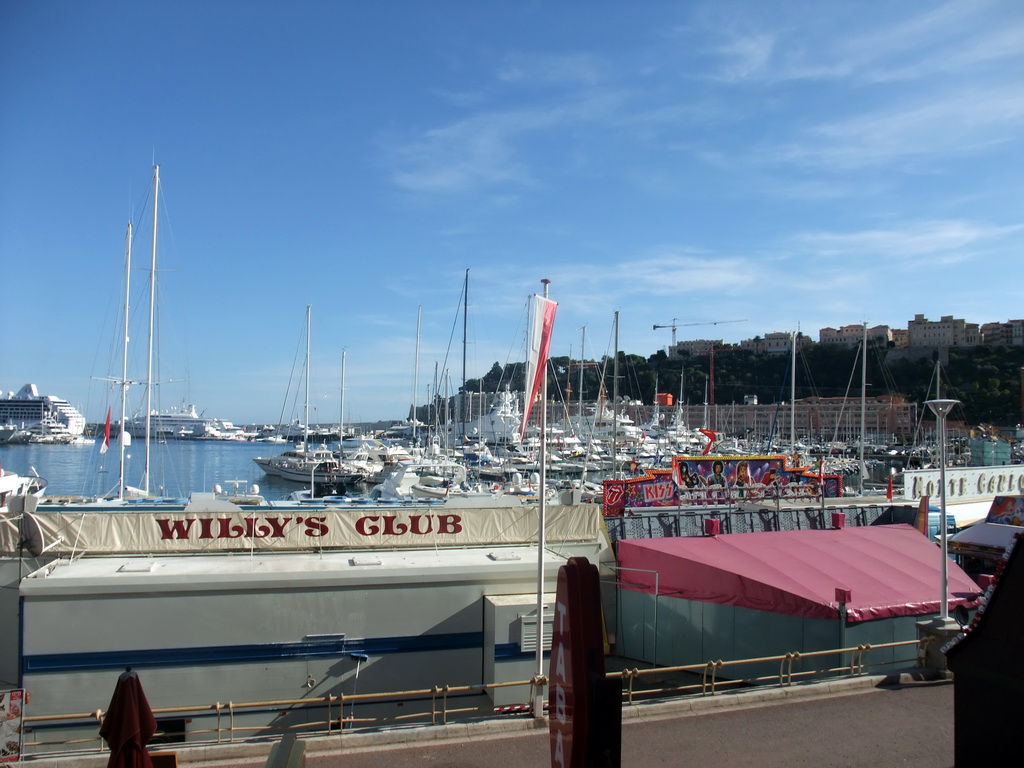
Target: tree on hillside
[(987, 380)]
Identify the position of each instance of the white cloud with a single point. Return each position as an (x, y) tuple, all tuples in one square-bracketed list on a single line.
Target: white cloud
[(933, 239), (746, 56), (485, 149), (953, 123), (870, 48), (470, 153), (552, 69)]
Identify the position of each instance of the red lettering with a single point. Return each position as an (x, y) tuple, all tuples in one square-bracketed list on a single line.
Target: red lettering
[(229, 531), (449, 524), (419, 525), (364, 528), (206, 528), (658, 492), (316, 526), (255, 530), (278, 526), (394, 528), (174, 529), (414, 524)]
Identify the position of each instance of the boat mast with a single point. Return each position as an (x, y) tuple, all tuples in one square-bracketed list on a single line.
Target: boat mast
[(416, 371), (341, 409), (436, 421), (792, 397), (121, 435), (863, 401), (462, 400), (615, 401), (305, 416), (583, 357), (152, 321), (579, 411), (447, 408)]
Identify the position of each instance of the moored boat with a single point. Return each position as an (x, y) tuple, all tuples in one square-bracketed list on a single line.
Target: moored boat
[(14, 485)]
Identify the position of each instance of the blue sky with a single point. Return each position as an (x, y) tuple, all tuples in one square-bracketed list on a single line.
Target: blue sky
[(792, 164)]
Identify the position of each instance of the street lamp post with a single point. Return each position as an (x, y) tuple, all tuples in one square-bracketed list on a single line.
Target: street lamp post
[(941, 409)]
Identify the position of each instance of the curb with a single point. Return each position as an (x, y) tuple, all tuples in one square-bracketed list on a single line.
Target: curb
[(254, 754)]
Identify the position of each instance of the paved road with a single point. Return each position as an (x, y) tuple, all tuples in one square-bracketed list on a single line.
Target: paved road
[(909, 726)]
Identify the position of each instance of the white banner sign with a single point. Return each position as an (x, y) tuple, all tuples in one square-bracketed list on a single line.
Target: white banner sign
[(65, 533), (964, 484)]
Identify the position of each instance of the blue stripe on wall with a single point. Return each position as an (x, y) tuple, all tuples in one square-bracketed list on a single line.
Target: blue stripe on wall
[(512, 652), (240, 654)]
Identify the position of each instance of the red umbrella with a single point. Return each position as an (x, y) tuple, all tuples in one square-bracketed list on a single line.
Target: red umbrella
[(128, 724)]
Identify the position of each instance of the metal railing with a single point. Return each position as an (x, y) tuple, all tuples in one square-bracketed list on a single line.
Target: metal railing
[(447, 702), (658, 523), (706, 680)]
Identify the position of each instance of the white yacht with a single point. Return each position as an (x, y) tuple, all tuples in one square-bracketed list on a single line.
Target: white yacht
[(14, 485), (304, 464), (183, 422), (377, 457), (28, 408), (500, 425)]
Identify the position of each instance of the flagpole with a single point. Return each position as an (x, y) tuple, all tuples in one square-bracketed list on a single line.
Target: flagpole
[(538, 701)]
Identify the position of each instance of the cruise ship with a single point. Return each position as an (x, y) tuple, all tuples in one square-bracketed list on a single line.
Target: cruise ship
[(28, 409)]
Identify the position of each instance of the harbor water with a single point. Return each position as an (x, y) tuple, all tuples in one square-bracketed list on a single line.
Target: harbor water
[(177, 467)]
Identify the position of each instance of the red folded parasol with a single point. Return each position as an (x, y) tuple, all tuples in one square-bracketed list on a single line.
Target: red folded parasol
[(128, 724)]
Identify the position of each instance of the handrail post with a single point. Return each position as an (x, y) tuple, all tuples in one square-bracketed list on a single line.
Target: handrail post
[(864, 648), (786, 662), (537, 685), (711, 666), (98, 714)]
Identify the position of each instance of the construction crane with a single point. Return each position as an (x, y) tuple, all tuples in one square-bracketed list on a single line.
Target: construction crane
[(673, 325)]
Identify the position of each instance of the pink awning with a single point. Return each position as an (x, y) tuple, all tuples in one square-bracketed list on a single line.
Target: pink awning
[(888, 570)]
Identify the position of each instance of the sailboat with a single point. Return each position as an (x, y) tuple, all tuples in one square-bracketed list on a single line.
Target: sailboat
[(124, 436), (316, 466)]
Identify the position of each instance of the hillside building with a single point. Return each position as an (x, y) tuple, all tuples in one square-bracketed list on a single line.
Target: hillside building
[(851, 335), (695, 347), (1010, 333), (947, 332), (776, 343)]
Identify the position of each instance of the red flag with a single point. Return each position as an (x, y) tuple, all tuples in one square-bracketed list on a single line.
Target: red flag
[(541, 325), (712, 437), (106, 434)]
